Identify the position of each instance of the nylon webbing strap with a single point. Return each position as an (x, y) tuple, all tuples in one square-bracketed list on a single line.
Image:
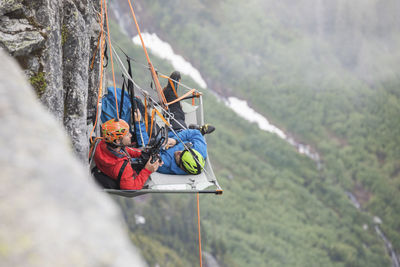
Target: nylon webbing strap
[(173, 87), (131, 91), (121, 171), (171, 83), (162, 117), (151, 124), (153, 113), (161, 96), (182, 97)]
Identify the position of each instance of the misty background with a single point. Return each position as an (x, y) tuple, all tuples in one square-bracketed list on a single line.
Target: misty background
[(326, 73)]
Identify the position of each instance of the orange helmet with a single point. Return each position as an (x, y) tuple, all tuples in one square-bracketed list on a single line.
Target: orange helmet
[(113, 130)]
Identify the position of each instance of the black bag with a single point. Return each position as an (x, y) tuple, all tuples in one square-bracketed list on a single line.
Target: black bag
[(106, 181)]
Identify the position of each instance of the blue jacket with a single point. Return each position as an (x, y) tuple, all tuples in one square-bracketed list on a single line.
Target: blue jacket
[(167, 156), (190, 135)]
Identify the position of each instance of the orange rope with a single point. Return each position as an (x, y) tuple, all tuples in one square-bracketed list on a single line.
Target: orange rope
[(162, 117), (197, 95), (101, 71), (92, 146), (198, 225), (182, 97), (153, 72), (173, 88), (152, 120), (151, 125), (146, 115), (112, 64)]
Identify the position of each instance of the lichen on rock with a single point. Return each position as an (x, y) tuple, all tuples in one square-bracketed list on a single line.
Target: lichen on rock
[(38, 82)]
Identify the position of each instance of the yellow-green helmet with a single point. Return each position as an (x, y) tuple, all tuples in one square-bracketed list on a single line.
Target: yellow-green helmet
[(192, 161)]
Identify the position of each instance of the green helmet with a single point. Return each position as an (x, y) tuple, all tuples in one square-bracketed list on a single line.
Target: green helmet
[(189, 163)]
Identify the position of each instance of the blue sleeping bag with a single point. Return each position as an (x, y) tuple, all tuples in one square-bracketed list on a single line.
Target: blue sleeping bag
[(109, 111)]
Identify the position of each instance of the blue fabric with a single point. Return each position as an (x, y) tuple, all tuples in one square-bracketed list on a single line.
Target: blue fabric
[(167, 156), (109, 111)]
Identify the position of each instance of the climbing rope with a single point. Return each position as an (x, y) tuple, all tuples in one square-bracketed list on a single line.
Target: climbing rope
[(99, 95), (198, 226), (153, 72)]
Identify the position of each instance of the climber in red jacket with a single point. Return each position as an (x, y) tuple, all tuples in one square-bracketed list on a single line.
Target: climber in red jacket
[(113, 156)]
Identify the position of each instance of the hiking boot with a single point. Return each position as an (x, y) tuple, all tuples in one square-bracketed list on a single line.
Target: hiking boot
[(205, 129)]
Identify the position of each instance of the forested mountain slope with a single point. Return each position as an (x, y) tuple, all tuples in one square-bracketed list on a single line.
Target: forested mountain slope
[(278, 209)]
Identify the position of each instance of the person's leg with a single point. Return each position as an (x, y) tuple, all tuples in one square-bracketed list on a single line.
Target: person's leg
[(204, 129)]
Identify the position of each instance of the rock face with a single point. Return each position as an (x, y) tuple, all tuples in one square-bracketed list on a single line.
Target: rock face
[(52, 213), (53, 41)]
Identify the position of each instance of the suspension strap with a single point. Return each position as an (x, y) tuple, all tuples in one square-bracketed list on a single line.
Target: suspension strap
[(173, 87), (198, 226), (131, 91), (191, 92), (153, 113), (121, 171), (153, 72), (100, 91), (171, 83), (162, 117)]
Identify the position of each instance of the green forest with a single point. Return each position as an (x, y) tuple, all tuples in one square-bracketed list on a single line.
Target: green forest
[(325, 72)]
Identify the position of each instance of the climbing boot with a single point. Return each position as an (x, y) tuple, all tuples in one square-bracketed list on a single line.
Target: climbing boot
[(205, 129)]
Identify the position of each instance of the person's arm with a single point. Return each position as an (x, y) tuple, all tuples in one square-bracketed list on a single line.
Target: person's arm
[(194, 136), (134, 152), (131, 182), (170, 143)]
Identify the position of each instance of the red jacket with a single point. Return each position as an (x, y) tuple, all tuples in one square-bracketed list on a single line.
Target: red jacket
[(110, 164)]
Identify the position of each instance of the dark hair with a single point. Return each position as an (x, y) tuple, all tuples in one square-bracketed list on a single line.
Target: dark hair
[(176, 75)]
